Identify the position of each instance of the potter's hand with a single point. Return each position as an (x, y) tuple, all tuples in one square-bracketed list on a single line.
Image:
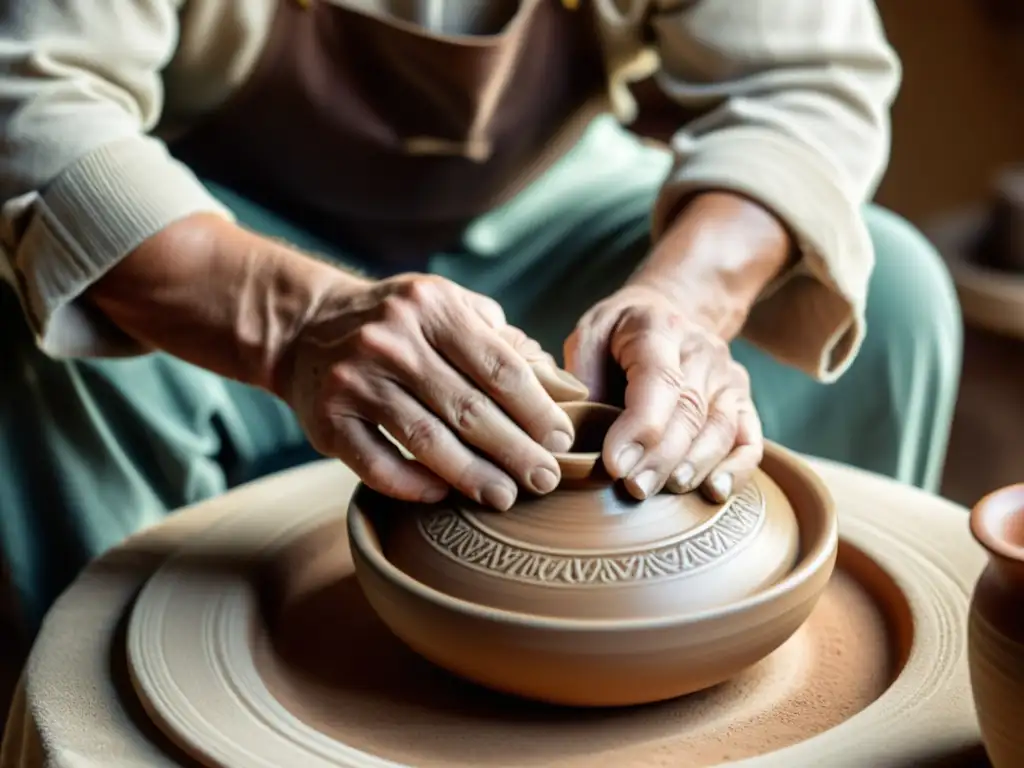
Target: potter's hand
[(435, 365), (689, 419)]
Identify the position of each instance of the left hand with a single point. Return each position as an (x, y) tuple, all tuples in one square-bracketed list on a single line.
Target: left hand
[(689, 419)]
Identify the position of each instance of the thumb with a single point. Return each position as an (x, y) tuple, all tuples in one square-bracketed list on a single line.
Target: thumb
[(559, 385), (586, 358)]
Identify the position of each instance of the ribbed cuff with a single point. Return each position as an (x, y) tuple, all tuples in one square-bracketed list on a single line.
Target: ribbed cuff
[(92, 216), (811, 317)]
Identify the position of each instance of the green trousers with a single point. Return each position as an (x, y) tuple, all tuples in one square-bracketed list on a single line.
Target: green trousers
[(93, 450)]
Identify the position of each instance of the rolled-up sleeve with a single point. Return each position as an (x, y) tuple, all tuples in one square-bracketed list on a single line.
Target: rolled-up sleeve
[(81, 181), (792, 104)]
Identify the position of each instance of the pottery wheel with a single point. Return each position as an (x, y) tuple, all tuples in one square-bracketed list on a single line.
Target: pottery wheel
[(254, 647)]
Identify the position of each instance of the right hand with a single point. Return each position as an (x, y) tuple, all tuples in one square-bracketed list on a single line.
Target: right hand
[(470, 397)]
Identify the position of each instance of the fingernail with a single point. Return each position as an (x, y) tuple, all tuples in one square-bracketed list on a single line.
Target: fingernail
[(433, 495), (628, 458), (681, 480), (644, 483), (499, 496), (543, 480), (721, 482), (558, 441)]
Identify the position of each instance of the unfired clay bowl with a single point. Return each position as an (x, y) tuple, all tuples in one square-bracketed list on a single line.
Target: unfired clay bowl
[(586, 597)]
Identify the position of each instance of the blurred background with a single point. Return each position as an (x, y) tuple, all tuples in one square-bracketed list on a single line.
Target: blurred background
[(959, 117), (958, 123)]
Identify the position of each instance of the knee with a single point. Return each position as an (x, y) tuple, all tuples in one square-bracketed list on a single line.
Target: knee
[(912, 310)]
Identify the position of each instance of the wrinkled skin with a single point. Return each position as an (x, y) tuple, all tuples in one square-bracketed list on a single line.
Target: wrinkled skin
[(689, 419), (440, 371), (475, 400), (438, 368)]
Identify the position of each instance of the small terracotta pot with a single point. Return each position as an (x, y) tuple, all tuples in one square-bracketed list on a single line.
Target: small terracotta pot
[(589, 598), (996, 626)]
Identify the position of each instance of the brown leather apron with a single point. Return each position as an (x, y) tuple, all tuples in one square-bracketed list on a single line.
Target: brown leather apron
[(381, 135)]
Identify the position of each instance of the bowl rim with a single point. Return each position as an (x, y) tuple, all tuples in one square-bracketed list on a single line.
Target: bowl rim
[(988, 516), (817, 557), (582, 460)]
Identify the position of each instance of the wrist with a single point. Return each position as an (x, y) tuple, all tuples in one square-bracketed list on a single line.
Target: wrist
[(297, 287), (215, 295), (716, 258)]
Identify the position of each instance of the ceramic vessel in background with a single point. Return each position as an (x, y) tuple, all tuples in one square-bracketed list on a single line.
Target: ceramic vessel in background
[(996, 626), (587, 597), (1001, 244)]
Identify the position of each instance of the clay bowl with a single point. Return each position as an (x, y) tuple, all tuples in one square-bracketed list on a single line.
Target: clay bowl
[(586, 597)]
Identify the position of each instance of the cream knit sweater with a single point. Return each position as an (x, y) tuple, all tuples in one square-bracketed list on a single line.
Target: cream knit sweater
[(793, 96)]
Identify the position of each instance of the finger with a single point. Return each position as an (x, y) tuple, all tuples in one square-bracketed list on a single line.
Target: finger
[(561, 385), (412, 367), (489, 361), (435, 446), (739, 466), (715, 441), (488, 309), (652, 472), (478, 421), (380, 465), (660, 390)]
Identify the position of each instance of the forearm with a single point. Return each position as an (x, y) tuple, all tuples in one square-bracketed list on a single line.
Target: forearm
[(786, 103), (717, 257), (216, 295)]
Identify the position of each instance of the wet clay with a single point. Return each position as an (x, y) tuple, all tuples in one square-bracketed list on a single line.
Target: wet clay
[(330, 661)]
